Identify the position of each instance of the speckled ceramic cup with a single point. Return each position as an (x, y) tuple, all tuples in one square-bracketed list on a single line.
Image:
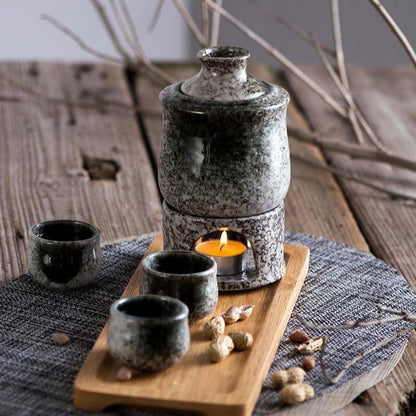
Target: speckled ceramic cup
[(64, 254), (186, 275), (148, 332)]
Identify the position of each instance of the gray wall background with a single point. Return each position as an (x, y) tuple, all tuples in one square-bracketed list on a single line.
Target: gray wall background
[(367, 39)]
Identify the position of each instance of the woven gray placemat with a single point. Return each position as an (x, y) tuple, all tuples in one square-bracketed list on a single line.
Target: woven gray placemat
[(36, 376)]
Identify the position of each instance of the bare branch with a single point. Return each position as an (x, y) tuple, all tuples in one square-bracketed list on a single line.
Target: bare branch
[(156, 15), (191, 23), (344, 92), (111, 32), (289, 65), (353, 150), (78, 40), (359, 357), (403, 314), (131, 26), (291, 26), (137, 48), (205, 20), (396, 30), (215, 26), (339, 51), (354, 113), (124, 30), (153, 70), (360, 322), (129, 31), (370, 131), (392, 194)]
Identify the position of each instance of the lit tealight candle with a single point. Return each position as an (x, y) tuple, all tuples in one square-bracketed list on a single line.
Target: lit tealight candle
[(230, 255)]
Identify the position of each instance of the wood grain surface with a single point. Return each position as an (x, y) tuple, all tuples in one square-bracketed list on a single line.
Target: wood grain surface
[(43, 146), (42, 173)]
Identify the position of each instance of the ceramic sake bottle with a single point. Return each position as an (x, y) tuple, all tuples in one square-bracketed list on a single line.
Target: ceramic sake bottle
[(224, 150)]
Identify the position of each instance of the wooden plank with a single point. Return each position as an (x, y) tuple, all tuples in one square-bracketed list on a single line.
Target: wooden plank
[(230, 387), (41, 151), (387, 99)]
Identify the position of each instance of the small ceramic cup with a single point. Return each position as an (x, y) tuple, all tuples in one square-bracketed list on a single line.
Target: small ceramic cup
[(148, 332), (186, 275), (64, 254)]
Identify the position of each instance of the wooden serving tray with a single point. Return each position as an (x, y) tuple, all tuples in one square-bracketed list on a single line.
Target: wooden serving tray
[(230, 387)]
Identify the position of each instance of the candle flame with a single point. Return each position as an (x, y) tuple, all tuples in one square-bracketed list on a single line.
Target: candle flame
[(223, 240)]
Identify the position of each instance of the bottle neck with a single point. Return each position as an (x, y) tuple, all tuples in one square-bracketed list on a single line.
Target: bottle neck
[(223, 67), (223, 76)]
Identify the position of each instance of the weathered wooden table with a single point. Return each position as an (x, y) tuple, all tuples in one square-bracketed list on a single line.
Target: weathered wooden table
[(50, 153)]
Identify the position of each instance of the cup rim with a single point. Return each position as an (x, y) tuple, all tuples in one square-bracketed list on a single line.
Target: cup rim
[(183, 313), (166, 275), (95, 231)]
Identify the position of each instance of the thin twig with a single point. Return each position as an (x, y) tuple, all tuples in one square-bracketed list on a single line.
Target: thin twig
[(289, 65), (191, 23), (78, 40), (132, 39), (351, 149), (344, 91), (353, 111), (111, 32), (160, 73), (156, 15), (352, 324), (355, 114), (355, 323), (339, 51), (404, 314), (139, 52), (392, 194), (152, 68), (124, 29), (370, 132), (129, 36), (307, 36), (359, 357), (339, 54), (360, 322), (132, 28), (215, 25), (205, 20), (396, 30), (291, 26)]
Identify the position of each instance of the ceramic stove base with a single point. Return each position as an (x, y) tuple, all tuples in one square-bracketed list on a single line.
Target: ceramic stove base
[(265, 232)]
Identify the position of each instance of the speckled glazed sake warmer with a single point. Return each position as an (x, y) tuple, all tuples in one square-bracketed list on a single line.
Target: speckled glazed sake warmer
[(224, 162)]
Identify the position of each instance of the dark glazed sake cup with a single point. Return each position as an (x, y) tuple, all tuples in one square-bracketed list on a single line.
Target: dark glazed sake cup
[(64, 254), (148, 332), (186, 275)]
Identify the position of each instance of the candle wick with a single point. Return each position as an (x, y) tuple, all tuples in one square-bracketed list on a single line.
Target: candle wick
[(222, 246)]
